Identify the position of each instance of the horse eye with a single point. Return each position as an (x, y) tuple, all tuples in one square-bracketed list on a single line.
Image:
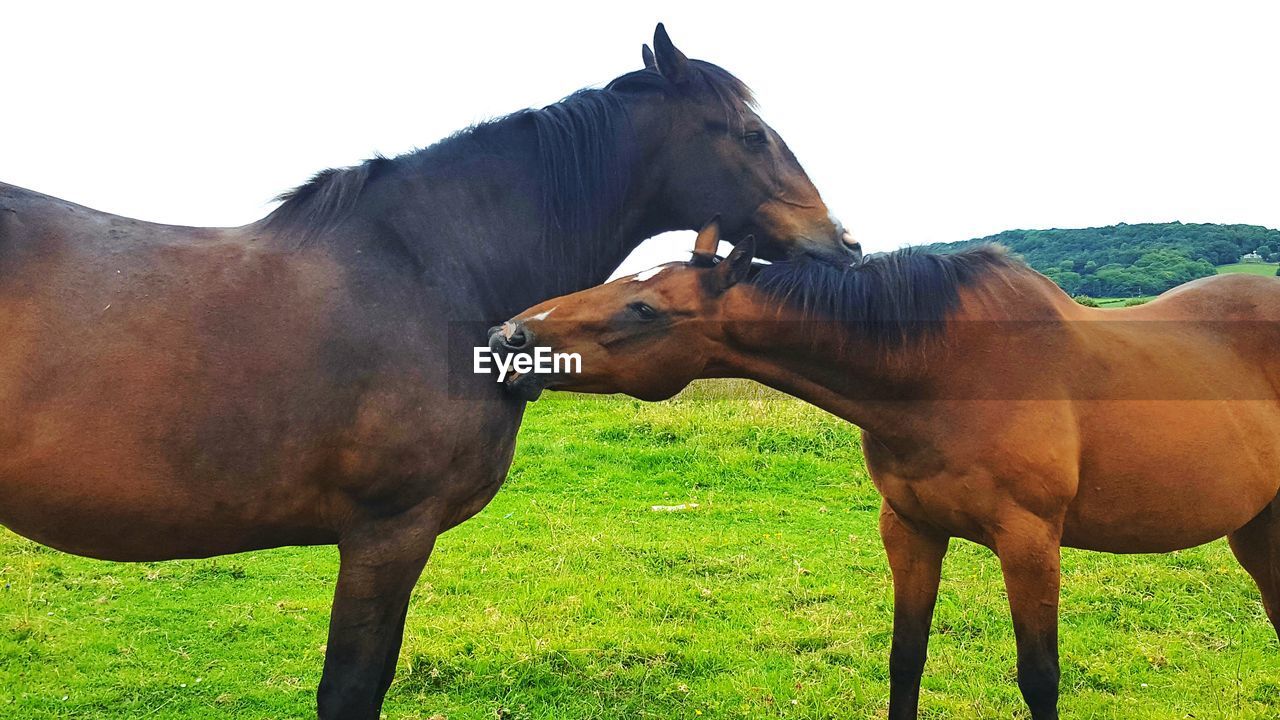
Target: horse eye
[(644, 311), (756, 138)]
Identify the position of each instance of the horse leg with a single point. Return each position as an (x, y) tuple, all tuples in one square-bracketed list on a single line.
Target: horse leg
[(1029, 551), (1257, 547), (915, 559), (380, 563)]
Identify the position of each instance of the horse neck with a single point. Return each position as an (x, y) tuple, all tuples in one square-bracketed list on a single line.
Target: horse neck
[(786, 356), (891, 393), (474, 221)]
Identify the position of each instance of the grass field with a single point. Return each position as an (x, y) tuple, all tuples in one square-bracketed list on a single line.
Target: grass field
[(1268, 269), (569, 598), (1120, 302)]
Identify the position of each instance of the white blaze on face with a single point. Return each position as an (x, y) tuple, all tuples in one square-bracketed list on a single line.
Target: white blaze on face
[(648, 274), (543, 315)]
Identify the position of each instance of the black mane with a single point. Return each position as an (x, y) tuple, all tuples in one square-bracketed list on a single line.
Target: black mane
[(585, 147), (891, 299)]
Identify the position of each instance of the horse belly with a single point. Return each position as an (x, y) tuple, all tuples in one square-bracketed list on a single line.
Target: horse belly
[(134, 517), (1161, 476)]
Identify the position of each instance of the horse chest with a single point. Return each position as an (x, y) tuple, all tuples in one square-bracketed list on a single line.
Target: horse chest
[(924, 491), (959, 506), (404, 446)]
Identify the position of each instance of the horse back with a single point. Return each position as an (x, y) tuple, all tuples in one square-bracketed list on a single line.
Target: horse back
[(1234, 296), (35, 224), (1242, 309)]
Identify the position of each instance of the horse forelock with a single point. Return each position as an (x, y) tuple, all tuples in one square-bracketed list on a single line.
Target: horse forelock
[(707, 77)]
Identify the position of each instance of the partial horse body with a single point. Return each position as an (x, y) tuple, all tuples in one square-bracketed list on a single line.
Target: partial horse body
[(177, 392), (992, 406)]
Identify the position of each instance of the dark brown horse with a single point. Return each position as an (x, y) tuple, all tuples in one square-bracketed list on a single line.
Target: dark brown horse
[(170, 392), (992, 408)]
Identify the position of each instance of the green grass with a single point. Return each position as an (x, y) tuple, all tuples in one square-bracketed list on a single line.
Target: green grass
[(568, 598), (1120, 302), (1268, 269)]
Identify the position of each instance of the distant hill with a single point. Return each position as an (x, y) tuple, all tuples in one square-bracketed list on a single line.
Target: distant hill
[(1131, 260)]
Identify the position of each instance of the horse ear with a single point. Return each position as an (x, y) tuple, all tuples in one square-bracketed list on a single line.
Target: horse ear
[(708, 238), (647, 55), (734, 269), (672, 63)]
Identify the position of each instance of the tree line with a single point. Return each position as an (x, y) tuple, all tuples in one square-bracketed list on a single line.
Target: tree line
[(1131, 260)]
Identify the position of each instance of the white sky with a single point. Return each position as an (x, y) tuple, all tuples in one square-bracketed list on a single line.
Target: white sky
[(919, 122)]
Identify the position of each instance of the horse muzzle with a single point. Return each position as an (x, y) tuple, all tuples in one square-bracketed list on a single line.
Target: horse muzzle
[(848, 250), (852, 246), (835, 244), (508, 339), (528, 387)]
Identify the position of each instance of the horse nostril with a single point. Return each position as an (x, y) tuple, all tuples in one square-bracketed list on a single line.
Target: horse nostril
[(853, 246), (517, 338)]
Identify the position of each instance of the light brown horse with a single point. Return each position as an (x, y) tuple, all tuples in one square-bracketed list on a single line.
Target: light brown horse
[(173, 392), (992, 408)]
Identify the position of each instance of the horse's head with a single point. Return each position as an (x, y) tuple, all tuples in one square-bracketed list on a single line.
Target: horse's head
[(646, 335), (707, 152)]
